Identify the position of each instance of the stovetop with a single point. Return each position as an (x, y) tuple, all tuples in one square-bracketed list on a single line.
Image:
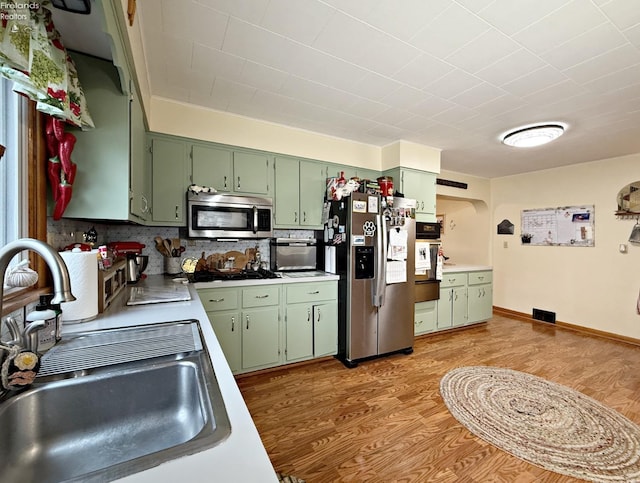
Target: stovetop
[(207, 276)]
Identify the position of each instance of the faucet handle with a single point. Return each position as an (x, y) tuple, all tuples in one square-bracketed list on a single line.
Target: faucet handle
[(14, 331), (30, 335)]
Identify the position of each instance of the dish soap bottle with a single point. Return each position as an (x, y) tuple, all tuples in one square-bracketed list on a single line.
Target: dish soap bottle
[(46, 337)]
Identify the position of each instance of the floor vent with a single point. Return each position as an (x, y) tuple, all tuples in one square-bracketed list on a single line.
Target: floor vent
[(544, 315)]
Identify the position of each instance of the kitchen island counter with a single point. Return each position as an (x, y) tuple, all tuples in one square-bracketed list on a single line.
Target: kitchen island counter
[(240, 457)]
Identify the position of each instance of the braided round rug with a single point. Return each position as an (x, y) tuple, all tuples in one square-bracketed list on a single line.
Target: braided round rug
[(544, 423)]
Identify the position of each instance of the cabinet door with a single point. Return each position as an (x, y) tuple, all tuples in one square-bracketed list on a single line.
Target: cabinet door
[(312, 187), (445, 308), (480, 303), (325, 329), (287, 200), (139, 164), (169, 181), (260, 336), (425, 317), (250, 173), (101, 188), (459, 306), (226, 325), (299, 331), (212, 166)]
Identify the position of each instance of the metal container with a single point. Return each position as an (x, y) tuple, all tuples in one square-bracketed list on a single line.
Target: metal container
[(288, 254)]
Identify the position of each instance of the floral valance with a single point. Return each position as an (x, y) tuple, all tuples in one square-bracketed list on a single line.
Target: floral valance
[(33, 57)]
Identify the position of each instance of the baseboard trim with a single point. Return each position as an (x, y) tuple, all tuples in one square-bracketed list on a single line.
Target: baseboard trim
[(565, 325)]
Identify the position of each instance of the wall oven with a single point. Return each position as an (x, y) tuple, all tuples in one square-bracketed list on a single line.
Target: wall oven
[(228, 216), (428, 262)]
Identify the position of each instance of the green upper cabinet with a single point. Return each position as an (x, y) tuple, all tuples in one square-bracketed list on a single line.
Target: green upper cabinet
[(230, 171), (169, 181), (299, 193), (418, 185), (103, 155), (140, 168), (251, 173), (212, 166)]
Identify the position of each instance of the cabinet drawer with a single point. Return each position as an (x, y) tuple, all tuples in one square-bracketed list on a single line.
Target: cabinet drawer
[(476, 278), (219, 299), (261, 296), (453, 279), (310, 292)]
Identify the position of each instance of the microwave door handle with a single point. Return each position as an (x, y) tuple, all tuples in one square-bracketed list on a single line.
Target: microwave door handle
[(255, 219)]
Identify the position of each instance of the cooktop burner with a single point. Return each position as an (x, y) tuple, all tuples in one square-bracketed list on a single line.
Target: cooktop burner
[(207, 276)]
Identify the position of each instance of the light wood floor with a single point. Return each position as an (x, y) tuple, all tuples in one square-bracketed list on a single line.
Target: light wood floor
[(385, 421)]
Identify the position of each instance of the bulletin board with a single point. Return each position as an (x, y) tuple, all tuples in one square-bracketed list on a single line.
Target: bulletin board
[(572, 226)]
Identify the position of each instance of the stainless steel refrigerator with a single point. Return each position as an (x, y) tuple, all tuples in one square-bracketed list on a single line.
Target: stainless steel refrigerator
[(375, 258)]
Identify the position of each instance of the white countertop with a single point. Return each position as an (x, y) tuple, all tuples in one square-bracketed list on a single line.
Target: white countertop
[(287, 277), (464, 268), (240, 457)]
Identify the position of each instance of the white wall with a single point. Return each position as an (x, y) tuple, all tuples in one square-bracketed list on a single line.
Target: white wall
[(595, 287), (469, 242)]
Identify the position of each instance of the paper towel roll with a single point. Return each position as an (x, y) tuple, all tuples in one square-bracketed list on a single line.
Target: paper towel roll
[(83, 273)]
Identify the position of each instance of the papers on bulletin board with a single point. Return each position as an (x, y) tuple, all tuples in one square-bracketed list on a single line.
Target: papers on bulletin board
[(396, 271), (564, 226)]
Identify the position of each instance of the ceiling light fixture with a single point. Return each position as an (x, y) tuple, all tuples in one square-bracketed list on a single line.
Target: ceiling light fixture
[(533, 135)]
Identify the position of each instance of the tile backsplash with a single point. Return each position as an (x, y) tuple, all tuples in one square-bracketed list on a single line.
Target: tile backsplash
[(66, 231)]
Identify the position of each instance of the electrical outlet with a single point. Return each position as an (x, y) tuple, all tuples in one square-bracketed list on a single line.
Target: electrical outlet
[(505, 244)]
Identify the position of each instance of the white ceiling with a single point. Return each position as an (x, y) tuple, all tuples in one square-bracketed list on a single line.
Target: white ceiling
[(451, 74)]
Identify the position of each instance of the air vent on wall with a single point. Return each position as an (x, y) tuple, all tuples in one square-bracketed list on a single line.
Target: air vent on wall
[(453, 184)]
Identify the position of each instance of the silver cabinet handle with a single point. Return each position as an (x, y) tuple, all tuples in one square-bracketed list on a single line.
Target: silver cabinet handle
[(238, 182), (308, 315), (262, 296), (247, 322), (304, 216), (480, 278), (176, 212), (295, 216), (225, 181), (318, 314), (313, 293), (233, 324), (216, 300)]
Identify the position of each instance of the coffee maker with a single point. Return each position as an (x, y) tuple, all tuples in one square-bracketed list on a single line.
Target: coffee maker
[(136, 265)]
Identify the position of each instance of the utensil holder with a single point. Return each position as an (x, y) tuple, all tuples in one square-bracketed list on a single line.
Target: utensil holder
[(172, 265)]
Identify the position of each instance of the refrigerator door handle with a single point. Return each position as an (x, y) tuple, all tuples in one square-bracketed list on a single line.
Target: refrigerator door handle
[(380, 285)]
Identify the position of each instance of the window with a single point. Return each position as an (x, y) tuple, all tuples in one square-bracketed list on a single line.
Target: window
[(11, 169)]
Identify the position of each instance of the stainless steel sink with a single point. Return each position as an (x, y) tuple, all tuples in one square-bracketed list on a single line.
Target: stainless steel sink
[(106, 422)]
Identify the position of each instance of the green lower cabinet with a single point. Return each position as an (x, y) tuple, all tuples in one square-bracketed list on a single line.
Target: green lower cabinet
[(260, 338), (311, 331), (299, 332), (426, 315), (480, 303), (226, 325), (452, 307), (325, 329)]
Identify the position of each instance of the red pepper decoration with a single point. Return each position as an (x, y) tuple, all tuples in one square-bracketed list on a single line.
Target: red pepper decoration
[(53, 174), (64, 197)]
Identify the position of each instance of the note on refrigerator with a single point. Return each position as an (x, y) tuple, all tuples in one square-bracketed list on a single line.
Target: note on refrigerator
[(397, 244), (396, 271)]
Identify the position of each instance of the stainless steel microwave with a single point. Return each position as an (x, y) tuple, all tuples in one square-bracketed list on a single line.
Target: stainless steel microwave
[(228, 216)]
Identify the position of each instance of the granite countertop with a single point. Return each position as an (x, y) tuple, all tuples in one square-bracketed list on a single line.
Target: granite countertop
[(242, 456), (464, 268)]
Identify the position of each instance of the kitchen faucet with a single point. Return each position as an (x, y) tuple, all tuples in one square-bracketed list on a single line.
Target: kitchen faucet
[(61, 285)]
